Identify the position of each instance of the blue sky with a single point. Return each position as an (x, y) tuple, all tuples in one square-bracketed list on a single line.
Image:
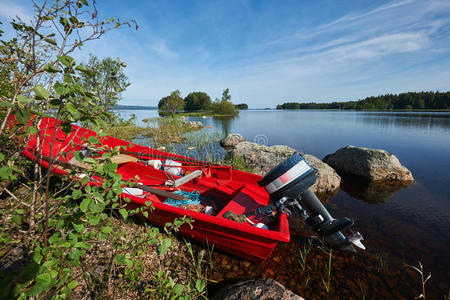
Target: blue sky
[(270, 52)]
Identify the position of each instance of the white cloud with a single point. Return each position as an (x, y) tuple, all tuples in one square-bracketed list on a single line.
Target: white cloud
[(161, 48), (12, 10)]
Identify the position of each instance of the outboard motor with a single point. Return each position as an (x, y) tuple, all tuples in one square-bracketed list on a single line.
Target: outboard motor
[(288, 184)]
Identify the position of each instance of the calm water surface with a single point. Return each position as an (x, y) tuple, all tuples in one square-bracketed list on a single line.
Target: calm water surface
[(406, 225)]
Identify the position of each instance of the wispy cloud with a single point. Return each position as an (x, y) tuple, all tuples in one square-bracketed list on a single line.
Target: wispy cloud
[(161, 48), (12, 10)]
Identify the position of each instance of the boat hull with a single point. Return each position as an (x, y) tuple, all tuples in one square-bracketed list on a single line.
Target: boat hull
[(238, 192)]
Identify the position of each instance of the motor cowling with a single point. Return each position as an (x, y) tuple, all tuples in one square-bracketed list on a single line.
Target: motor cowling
[(289, 183)]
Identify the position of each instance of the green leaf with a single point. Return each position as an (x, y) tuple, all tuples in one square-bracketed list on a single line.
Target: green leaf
[(37, 257), (95, 208), (178, 289), (128, 262), (84, 205), (76, 194), (200, 285), (6, 173), (2, 157), (81, 245), (93, 220), (119, 258), (45, 279), (60, 88), (40, 92), (60, 224), (36, 290), (145, 213), (66, 127), (51, 69), (78, 227), (73, 284), (51, 41), (73, 20), (23, 115), (93, 140), (54, 238), (5, 103), (23, 99), (66, 60), (117, 189), (106, 230), (164, 245), (73, 111), (17, 219), (124, 213), (30, 130)]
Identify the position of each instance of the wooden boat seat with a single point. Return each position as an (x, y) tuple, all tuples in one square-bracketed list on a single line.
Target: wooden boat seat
[(118, 159)]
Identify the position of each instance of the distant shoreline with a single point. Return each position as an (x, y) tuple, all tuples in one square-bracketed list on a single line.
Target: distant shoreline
[(138, 107)]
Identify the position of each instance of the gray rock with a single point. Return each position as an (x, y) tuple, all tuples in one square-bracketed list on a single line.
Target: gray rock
[(372, 164), (194, 124), (231, 140), (263, 158), (263, 288), (328, 181)]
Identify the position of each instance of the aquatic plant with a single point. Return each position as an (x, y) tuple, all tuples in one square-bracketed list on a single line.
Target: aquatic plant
[(327, 283), (304, 251), (362, 288), (423, 279), (382, 264)]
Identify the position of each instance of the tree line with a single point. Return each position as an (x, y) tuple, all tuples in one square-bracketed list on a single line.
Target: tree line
[(410, 100)]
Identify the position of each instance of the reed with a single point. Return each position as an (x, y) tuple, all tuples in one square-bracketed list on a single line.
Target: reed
[(327, 283), (382, 264), (422, 277)]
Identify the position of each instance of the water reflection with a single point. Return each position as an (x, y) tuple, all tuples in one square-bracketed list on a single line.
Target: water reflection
[(409, 120), (369, 192), (223, 122)]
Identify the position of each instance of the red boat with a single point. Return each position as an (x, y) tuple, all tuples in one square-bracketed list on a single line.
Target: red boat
[(222, 191)]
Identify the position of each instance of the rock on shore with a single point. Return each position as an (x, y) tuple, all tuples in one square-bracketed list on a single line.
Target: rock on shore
[(194, 124), (328, 181), (372, 164), (263, 158), (231, 140), (263, 288)]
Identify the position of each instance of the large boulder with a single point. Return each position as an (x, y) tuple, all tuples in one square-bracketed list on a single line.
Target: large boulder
[(372, 164), (263, 158), (231, 140), (263, 289), (328, 181)]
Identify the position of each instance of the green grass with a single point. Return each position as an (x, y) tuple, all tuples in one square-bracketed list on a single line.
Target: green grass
[(161, 130)]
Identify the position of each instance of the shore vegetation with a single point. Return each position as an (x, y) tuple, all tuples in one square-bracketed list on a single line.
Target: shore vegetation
[(403, 101)]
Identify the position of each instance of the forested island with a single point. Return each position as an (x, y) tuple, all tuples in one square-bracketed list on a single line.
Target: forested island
[(411, 100)]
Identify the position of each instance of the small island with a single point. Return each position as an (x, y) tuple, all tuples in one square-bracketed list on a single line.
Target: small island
[(197, 103)]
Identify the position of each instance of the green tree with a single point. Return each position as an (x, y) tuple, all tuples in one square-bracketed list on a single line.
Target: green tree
[(106, 77), (169, 105), (224, 106), (44, 80), (197, 101), (226, 95)]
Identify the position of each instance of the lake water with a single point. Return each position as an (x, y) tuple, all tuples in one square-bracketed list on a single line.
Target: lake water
[(408, 225)]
